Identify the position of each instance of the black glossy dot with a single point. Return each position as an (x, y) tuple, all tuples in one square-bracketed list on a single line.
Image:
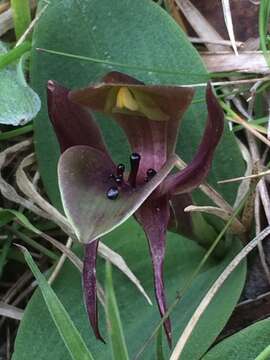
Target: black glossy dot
[(120, 169), (150, 173), (112, 193), (134, 157), (111, 176), (118, 179)]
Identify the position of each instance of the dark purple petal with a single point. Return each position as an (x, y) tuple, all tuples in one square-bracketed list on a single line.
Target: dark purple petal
[(84, 182), (194, 174), (153, 216), (117, 77), (90, 286), (147, 138), (154, 139), (73, 124)]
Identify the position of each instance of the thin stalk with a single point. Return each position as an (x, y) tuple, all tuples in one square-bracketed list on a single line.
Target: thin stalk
[(113, 63), (17, 132), (238, 120), (255, 122), (143, 68), (14, 54)]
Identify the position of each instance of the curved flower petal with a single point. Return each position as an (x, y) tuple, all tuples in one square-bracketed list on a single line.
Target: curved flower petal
[(152, 130), (90, 286), (194, 174), (153, 216), (84, 180), (73, 124)]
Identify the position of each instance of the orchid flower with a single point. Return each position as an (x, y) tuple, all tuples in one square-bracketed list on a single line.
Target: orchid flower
[(97, 194)]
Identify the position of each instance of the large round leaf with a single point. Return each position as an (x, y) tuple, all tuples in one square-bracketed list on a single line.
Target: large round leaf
[(246, 344), (128, 32), (38, 338)]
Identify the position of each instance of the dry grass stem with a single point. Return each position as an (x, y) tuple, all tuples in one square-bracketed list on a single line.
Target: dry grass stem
[(253, 176), (200, 24), (235, 228), (49, 212), (60, 262), (6, 22), (10, 311), (17, 286), (245, 184), (208, 190), (229, 24), (227, 62), (3, 7), (110, 255), (6, 189), (257, 217), (212, 292), (238, 120), (31, 26), (196, 40)]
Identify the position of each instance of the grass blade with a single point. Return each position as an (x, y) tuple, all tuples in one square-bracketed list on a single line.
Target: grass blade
[(265, 354), (229, 24), (6, 135), (67, 330), (115, 331), (159, 346), (264, 13), (14, 54), (21, 16)]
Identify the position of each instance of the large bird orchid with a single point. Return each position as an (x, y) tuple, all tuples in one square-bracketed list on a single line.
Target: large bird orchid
[(97, 194)]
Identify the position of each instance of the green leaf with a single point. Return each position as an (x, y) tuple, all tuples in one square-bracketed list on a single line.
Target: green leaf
[(136, 33), (246, 344), (115, 330), (19, 104), (65, 326), (138, 318)]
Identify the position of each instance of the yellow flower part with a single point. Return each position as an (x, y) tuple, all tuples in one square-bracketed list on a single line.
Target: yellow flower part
[(125, 100)]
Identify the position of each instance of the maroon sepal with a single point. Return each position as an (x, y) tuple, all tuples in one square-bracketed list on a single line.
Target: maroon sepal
[(195, 173), (90, 286), (73, 124), (153, 216)]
